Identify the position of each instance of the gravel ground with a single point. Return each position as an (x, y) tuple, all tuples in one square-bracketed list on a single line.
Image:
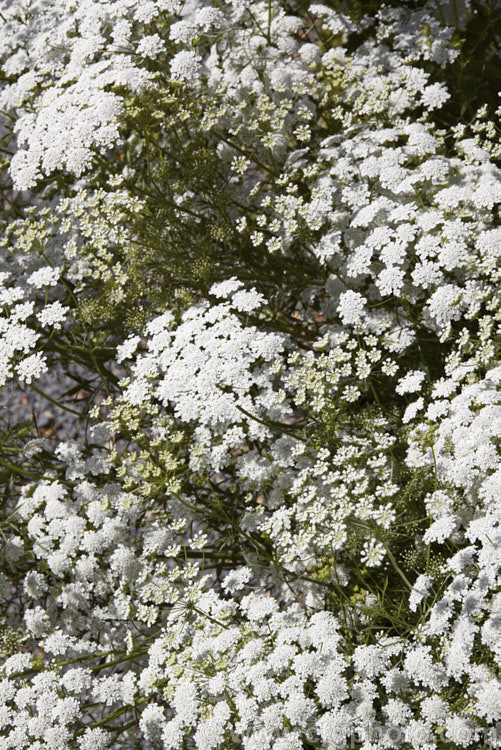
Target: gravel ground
[(20, 403)]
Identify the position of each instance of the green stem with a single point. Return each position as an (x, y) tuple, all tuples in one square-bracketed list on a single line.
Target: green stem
[(53, 401)]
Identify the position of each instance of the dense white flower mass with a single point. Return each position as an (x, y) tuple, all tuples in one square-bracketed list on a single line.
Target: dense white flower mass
[(260, 510)]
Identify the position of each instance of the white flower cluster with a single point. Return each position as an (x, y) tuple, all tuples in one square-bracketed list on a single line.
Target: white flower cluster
[(266, 249), (198, 369), (27, 309)]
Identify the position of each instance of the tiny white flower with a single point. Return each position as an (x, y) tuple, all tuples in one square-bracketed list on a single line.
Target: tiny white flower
[(351, 307), (150, 46), (46, 276), (419, 591), (53, 314), (373, 553), (412, 410), (185, 66), (441, 529), (411, 382)]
